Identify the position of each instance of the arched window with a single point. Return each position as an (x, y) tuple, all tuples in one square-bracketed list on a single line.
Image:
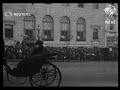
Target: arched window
[(65, 29), (81, 29), (48, 28), (29, 27)]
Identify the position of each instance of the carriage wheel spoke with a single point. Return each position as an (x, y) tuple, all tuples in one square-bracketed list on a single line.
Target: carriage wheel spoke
[(38, 79), (42, 82), (49, 75), (53, 84)]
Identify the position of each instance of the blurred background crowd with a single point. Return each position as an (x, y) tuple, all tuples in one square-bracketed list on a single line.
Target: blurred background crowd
[(20, 51)]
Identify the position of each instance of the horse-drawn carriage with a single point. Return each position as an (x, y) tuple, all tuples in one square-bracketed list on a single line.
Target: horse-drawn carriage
[(39, 70)]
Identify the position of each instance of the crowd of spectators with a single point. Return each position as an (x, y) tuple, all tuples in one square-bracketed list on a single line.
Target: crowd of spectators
[(65, 53), (85, 54)]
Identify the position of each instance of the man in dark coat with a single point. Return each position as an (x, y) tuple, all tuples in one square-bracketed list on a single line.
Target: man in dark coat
[(35, 58), (38, 48), (27, 64)]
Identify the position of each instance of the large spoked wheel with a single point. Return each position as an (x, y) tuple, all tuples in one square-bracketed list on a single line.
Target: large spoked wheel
[(49, 76)]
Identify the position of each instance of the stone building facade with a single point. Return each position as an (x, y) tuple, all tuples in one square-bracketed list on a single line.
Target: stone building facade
[(57, 24)]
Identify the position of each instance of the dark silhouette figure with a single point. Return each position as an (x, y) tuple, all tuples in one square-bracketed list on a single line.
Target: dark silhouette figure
[(38, 48), (35, 59)]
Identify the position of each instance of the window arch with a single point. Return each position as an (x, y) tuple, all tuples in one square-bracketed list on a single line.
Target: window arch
[(48, 25), (65, 29), (81, 29), (29, 18), (65, 19), (29, 27)]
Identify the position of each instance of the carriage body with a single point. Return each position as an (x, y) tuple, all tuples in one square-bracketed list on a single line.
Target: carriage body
[(30, 70), (33, 66)]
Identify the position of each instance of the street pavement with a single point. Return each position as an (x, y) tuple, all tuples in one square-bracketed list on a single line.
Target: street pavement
[(79, 74)]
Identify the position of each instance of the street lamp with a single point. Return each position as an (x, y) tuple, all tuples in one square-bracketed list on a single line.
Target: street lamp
[(38, 32)]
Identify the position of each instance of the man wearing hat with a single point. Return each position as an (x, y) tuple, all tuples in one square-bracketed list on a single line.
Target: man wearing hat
[(27, 63), (41, 51), (38, 48)]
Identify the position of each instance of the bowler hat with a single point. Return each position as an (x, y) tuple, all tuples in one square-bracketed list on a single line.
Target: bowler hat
[(39, 42)]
